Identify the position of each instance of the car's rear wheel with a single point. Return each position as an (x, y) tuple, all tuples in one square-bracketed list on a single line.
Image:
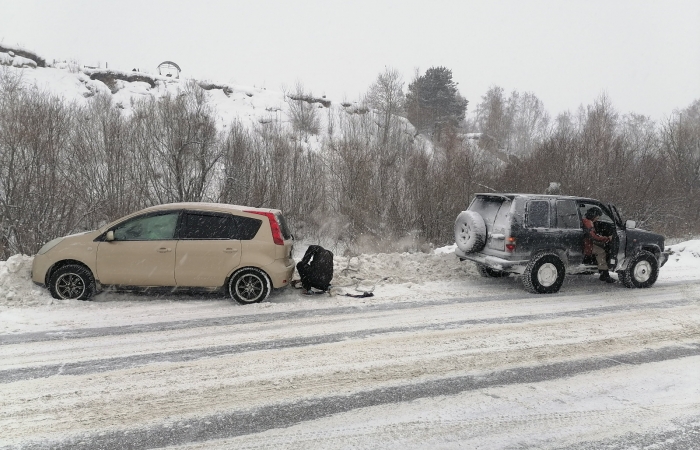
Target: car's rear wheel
[(544, 274), (488, 272), (249, 285), (642, 272), (72, 282), (470, 231)]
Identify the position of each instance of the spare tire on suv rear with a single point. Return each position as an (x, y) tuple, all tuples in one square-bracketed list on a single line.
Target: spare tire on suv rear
[(470, 231)]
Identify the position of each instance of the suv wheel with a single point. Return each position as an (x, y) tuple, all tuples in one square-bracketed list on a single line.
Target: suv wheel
[(72, 282), (642, 272), (470, 231), (544, 274), (248, 286), (488, 272)]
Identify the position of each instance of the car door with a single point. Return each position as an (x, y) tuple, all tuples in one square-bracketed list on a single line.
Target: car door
[(604, 226), (538, 220), (207, 249), (570, 233), (621, 242), (142, 252)]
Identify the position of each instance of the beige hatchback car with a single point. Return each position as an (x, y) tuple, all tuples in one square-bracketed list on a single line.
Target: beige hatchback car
[(244, 251)]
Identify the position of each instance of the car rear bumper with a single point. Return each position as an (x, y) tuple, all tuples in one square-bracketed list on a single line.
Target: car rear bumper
[(280, 272), (494, 262)]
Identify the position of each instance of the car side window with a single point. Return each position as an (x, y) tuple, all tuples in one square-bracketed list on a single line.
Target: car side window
[(206, 226), (245, 228), (567, 215), (148, 228), (538, 214), (212, 226)]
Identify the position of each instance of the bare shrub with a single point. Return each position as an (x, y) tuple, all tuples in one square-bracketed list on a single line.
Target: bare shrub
[(303, 113), (105, 163), (39, 194)]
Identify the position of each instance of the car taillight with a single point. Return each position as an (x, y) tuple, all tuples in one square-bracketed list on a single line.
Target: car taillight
[(510, 244), (274, 226)]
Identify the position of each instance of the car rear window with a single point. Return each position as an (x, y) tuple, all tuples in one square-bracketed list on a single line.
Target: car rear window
[(489, 207)]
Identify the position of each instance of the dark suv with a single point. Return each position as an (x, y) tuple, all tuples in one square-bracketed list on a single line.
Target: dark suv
[(540, 237)]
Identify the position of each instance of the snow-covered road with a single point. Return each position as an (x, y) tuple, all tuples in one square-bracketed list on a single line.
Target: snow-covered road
[(456, 362)]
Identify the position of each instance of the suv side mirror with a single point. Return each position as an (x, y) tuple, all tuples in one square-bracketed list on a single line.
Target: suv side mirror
[(630, 224), (109, 237)]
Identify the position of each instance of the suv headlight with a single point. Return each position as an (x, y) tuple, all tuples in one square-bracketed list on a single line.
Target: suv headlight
[(49, 245)]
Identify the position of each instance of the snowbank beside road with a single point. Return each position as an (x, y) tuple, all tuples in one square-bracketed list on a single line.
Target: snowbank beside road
[(385, 272), (363, 273), (683, 262), (16, 286)]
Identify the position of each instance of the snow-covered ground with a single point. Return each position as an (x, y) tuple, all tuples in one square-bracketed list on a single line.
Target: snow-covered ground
[(439, 357)]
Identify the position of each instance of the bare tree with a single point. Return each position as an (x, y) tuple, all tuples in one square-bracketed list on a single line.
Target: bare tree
[(177, 141), (386, 96)]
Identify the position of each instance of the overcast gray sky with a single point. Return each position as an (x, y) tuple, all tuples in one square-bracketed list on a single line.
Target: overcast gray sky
[(645, 55)]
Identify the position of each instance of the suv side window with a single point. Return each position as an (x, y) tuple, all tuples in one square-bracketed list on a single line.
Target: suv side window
[(151, 227), (538, 214), (567, 214)]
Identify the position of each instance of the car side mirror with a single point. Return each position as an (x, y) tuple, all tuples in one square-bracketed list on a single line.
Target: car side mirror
[(109, 237), (630, 224)]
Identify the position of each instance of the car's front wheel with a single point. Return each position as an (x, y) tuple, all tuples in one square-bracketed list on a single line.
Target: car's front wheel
[(544, 274), (72, 282), (642, 272), (249, 285)]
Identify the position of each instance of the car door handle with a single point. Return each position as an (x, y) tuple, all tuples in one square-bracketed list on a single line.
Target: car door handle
[(230, 250), (164, 250)]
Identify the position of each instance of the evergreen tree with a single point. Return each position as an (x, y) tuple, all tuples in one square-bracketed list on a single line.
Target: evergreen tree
[(433, 101)]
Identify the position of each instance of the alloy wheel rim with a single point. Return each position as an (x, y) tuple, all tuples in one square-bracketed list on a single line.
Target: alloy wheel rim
[(249, 287), (70, 286)]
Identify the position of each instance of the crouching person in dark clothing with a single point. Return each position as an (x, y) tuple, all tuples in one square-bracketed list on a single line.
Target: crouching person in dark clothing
[(316, 269)]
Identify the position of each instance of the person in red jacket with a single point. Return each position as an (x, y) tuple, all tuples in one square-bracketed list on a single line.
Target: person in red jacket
[(593, 243)]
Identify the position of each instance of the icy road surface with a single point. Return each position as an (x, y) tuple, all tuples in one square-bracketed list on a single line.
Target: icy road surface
[(456, 362)]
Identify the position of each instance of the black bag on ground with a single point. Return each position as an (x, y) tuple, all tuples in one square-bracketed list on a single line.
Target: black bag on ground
[(316, 268)]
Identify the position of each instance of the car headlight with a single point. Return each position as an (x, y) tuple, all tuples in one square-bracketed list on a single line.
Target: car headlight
[(49, 245)]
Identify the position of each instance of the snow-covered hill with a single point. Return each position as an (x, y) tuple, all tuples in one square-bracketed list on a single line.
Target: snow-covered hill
[(248, 104)]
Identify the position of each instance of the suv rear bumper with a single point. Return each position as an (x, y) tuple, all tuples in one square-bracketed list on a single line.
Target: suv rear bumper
[(494, 262)]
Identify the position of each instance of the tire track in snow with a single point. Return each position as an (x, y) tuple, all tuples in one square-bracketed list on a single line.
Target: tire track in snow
[(42, 336), (240, 423), (127, 362)]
